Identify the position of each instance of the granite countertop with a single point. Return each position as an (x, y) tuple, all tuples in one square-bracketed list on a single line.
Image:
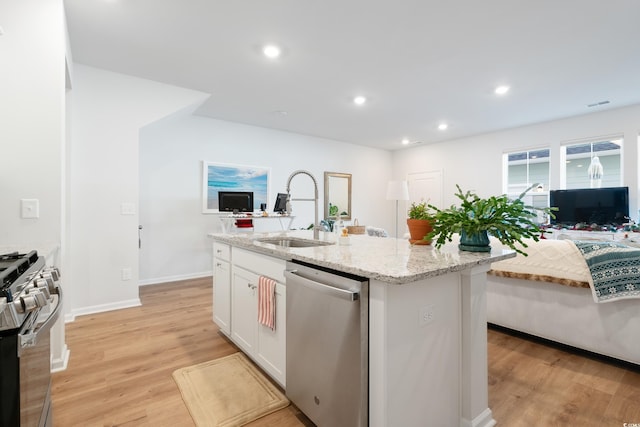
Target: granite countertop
[(389, 260)]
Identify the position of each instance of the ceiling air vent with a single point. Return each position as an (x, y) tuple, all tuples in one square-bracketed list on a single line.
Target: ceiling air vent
[(597, 104)]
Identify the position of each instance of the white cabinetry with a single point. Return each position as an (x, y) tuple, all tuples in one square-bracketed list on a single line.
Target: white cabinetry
[(265, 346), (245, 309), (222, 286)]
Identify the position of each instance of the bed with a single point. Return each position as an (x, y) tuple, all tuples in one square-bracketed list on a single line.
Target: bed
[(552, 294)]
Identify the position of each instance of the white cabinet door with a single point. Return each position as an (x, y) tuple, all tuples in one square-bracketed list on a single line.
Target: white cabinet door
[(222, 295), (272, 349), (244, 310), (265, 346)]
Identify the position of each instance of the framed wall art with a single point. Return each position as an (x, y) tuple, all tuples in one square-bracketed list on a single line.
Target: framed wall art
[(222, 177)]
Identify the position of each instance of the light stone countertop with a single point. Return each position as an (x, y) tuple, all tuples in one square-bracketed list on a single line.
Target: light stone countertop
[(390, 260)]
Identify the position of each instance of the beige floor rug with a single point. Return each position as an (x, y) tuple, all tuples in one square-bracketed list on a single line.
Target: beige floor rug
[(229, 391)]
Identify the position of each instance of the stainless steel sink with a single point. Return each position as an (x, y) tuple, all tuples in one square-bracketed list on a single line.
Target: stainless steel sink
[(293, 242)]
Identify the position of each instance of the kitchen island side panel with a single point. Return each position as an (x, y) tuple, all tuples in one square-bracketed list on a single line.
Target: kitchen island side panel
[(415, 352)]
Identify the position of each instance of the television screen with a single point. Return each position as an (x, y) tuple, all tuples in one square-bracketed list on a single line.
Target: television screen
[(602, 206), (281, 203), (235, 201)]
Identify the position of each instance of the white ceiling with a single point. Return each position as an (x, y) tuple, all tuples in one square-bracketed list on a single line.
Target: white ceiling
[(419, 62)]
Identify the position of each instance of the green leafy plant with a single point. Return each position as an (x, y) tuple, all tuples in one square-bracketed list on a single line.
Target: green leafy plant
[(420, 211), (510, 221)]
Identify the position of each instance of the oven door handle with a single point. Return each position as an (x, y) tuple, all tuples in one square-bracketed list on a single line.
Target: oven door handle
[(29, 338)]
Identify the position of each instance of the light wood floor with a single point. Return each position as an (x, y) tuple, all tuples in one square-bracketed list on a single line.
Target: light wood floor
[(119, 373)]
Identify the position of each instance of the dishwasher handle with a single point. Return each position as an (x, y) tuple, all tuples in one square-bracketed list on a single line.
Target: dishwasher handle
[(321, 287)]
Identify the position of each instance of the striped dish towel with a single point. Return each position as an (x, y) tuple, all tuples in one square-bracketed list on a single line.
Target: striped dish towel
[(267, 302)]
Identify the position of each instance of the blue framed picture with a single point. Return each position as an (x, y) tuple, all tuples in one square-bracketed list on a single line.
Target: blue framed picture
[(228, 177)]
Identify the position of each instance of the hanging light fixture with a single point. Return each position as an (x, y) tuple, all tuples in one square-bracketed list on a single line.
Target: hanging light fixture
[(595, 171)]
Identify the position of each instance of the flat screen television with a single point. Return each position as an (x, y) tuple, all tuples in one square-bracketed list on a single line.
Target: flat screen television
[(235, 201), (281, 203), (602, 206)]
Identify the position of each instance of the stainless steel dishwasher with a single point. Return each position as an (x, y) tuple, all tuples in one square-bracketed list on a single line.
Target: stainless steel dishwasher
[(328, 345)]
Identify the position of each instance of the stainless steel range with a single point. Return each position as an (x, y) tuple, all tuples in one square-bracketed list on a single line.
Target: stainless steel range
[(30, 302)]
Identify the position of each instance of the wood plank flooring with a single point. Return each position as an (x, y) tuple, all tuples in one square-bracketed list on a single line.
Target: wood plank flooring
[(119, 372)]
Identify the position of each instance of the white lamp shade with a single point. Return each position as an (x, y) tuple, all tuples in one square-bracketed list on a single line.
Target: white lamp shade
[(397, 190)]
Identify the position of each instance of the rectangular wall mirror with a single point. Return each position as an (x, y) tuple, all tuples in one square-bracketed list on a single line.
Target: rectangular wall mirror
[(337, 195)]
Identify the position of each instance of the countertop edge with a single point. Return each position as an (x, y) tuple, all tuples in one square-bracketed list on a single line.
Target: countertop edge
[(248, 243)]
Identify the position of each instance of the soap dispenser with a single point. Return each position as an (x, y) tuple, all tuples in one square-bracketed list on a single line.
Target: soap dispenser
[(338, 226)]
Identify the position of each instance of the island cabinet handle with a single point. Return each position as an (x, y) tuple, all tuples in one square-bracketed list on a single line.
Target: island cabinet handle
[(249, 285)]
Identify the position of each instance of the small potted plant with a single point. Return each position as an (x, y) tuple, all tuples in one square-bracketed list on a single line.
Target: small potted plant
[(419, 223), (510, 221)]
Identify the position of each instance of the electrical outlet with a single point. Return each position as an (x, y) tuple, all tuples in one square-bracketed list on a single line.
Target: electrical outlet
[(427, 314), (126, 274), (30, 208)]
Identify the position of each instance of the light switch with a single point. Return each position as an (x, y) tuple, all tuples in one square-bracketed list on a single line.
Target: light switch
[(127, 208), (30, 208)]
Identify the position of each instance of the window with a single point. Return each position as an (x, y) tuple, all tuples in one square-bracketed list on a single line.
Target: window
[(524, 169), (593, 164)]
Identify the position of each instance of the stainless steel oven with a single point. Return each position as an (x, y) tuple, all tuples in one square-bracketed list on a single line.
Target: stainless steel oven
[(35, 371), (30, 303)]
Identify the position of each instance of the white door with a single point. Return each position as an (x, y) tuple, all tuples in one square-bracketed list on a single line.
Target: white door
[(426, 186)]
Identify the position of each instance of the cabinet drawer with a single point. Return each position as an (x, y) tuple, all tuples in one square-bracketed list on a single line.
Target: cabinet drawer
[(222, 251), (260, 264)]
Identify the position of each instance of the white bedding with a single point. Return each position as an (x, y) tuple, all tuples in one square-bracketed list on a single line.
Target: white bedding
[(553, 258)]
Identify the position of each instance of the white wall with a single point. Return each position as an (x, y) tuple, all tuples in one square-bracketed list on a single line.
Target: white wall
[(476, 162), (174, 239), (32, 133), (32, 84), (108, 110)]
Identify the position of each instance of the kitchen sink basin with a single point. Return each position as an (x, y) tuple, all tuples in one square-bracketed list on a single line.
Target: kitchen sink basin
[(293, 242)]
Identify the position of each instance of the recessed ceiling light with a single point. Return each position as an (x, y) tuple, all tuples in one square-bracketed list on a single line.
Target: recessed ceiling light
[(443, 126), (359, 100), (271, 51), (501, 90), (407, 141)]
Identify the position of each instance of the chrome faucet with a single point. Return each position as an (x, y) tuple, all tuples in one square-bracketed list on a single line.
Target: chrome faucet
[(316, 226)]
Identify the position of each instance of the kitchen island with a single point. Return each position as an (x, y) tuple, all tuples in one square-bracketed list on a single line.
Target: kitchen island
[(427, 323)]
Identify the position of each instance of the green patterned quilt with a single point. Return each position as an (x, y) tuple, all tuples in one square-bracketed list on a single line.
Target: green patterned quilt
[(615, 269)]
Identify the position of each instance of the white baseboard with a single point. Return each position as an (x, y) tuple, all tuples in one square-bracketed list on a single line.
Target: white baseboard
[(167, 279), (70, 317), (60, 364), (484, 419)]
